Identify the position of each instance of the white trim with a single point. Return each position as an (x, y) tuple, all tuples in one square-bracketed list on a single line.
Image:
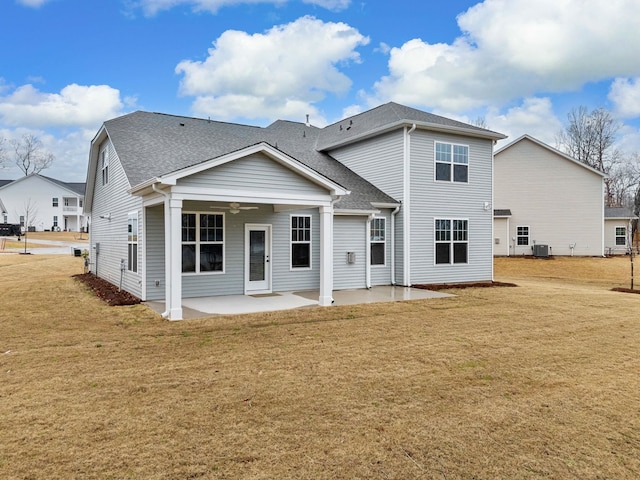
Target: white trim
[(137, 242), (384, 242), (406, 211), (452, 163), (528, 235), (310, 242), (615, 235), (451, 242), (202, 194), (198, 242), (268, 284)]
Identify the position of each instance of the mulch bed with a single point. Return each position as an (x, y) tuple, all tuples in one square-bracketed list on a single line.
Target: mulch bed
[(444, 286), (625, 290), (106, 291)]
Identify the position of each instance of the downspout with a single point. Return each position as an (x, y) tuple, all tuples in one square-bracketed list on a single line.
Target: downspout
[(167, 253), (393, 244), (406, 221), (333, 202)]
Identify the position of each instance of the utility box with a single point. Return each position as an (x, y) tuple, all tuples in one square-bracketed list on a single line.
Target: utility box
[(351, 257)]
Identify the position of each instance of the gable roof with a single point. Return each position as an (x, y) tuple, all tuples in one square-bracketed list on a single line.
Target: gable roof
[(153, 145), (76, 188), (390, 116), (550, 149)]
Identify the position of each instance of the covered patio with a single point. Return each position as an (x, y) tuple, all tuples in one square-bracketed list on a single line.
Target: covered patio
[(243, 304)]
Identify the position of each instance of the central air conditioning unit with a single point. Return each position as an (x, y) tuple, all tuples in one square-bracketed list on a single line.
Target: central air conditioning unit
[(541, 250)]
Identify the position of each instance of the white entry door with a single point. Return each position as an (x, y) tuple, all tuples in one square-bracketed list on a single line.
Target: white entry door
[(257, 258)]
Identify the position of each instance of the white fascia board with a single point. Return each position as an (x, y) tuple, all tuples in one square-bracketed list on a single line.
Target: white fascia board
[(268, 150), (386, 205), (364, 213)]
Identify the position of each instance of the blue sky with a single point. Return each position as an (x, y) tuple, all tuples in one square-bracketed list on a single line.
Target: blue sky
[(68, 65)]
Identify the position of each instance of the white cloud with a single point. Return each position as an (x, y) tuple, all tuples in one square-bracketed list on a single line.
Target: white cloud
[(514, 48), (281, 72), (33, 3), (75, 106), (625, 95), (534, 117), (152, 7)]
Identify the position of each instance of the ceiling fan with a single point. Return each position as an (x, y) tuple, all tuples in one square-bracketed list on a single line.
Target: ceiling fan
[(234, 207)]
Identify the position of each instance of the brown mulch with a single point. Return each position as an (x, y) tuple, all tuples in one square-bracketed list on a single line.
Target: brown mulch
[(106, 291), (625, 290), (444, 286)]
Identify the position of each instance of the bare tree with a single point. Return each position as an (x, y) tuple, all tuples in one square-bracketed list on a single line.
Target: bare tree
[(481, 122), (30, 156), (589, 138), (3, 153), (29, 211)]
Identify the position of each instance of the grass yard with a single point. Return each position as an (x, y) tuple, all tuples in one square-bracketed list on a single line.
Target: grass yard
[(539, 381), (33, 237)]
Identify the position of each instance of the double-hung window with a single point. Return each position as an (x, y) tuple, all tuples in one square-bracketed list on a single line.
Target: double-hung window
[(300, 241), (621, 236), (132, 242), (452, 241), (54, 202), (452, 162), (378, 241), (104, 165), (202, 242), (522, 235), (55, 221)]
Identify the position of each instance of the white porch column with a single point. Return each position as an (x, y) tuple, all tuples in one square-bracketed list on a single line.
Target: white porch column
[(326, 256), (173, 258)]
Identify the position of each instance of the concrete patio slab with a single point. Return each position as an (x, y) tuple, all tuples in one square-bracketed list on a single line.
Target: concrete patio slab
[(241, 304)]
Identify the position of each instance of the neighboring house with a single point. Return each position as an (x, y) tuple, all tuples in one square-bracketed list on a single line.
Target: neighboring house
[(192, 207), (544, 197), (43, 203), (618, 229)]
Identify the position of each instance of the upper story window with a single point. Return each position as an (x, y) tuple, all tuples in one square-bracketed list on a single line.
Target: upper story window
[(621, 236), (452, 162), (104, 165), (300, 241), (452, 241), (54, 202), (132, 242), (378, 241), (522, 235), (202, 242), (66, 202)]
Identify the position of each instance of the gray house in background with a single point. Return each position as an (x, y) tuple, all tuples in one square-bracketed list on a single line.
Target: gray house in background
[(618, 229), (184, 207)]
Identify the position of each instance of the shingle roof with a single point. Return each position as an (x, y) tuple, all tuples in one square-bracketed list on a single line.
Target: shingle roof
[(386, 115), (77, 187), (501, 212), (5, 182), (618, 212), (152, 144)]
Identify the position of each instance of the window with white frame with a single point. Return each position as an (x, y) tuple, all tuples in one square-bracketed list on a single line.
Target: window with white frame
[(132, 242), (104, 165), (66, 202), (522, 235), (378, 241), (452, 241), (22, 220), (54, 202), (300, 241), (55, 221), (452, 162), (621, 236), (202, 242)]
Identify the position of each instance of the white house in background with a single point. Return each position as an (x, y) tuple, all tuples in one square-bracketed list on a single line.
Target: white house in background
[(51, 203), (543, 197), (193, 208), (617, 229)]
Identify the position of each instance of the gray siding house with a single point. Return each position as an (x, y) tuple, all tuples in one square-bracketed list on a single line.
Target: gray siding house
[(184, 207), (544, 197)]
